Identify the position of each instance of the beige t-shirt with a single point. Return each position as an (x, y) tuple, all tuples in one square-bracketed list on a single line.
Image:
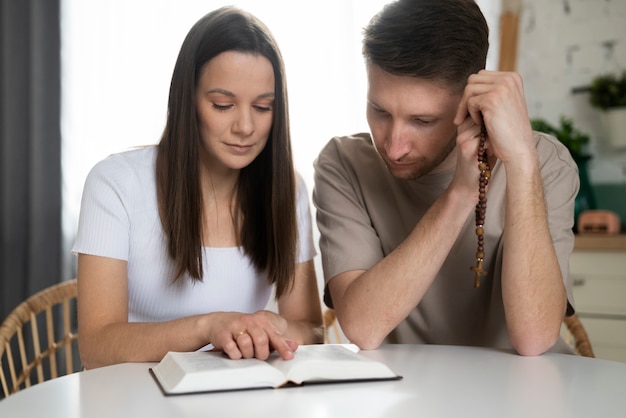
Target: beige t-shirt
[(363, 213)]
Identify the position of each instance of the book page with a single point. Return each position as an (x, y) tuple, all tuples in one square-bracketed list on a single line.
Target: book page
[(330, 362), (189, 372), (213, 371)]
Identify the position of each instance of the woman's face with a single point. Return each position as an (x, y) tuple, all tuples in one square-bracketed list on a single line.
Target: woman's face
[(234, 100)]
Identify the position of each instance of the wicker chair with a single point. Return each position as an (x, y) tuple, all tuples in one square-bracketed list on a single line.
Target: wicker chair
[(39, 333), (330, 322), (577, 337)]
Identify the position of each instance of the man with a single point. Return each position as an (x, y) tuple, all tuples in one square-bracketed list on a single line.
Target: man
[(396, 210)]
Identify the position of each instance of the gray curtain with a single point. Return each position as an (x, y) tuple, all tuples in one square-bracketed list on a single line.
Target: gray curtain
[(30, 149)]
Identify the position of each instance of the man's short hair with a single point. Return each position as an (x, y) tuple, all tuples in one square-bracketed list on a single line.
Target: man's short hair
[(440, 40)]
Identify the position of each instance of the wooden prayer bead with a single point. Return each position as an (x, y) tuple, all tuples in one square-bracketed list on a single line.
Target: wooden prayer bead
[(481, 208)]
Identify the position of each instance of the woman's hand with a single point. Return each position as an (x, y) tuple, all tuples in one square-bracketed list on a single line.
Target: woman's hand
[(251, 335)]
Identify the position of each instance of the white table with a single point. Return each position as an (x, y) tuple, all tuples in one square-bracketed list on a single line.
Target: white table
[(439, 381)]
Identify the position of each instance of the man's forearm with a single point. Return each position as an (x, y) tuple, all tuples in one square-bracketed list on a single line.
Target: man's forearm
[(370, 307), (532, 284)]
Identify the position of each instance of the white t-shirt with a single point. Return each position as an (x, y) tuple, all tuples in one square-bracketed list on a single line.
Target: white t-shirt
[(119, 219)]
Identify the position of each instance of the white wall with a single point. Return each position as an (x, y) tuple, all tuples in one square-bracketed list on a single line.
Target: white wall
[(563, 45), (118, 56)]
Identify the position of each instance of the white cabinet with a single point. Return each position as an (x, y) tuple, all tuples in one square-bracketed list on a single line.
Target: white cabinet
[(599, 277)]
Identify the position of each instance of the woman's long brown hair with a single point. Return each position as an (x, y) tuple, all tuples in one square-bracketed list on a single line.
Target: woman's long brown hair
[(266, 215)]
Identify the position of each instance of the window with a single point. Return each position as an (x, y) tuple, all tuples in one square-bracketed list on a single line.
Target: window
[(118, 56)]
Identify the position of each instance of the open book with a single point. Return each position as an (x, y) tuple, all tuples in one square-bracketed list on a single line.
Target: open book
[(190, 372)]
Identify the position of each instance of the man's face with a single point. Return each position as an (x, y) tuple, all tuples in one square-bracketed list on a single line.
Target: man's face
[(411, 121)]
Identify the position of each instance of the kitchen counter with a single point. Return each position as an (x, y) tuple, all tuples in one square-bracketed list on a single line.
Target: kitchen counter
[(592, 242), (598, 273)]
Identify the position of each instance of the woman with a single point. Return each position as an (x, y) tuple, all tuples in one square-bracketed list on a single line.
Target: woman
[(180, 245)]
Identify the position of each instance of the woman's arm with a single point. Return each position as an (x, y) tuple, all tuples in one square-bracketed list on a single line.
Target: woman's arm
[(106, 337), (301, 307)]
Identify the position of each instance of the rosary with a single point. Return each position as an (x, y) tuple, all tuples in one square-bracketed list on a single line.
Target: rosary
[(481, 208)]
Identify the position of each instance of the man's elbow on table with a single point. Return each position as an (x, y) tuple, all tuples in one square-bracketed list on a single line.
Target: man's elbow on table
[(364, 338), (534, 346)]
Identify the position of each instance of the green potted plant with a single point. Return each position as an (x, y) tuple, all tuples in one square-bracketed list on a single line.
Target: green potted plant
[(607, 92), (576, 142)]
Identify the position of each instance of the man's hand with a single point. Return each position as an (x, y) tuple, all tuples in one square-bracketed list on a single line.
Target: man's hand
[(496, 99)]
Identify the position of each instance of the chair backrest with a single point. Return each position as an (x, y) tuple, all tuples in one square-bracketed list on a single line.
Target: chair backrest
[(39, 333), (577, 337), (331, 323)]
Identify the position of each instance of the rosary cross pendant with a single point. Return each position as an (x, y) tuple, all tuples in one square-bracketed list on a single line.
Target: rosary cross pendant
[(479, 272)]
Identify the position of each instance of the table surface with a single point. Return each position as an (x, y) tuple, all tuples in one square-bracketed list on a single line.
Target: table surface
[(438, 381)]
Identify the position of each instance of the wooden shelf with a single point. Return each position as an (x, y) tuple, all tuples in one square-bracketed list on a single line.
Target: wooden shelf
[(600, 242)]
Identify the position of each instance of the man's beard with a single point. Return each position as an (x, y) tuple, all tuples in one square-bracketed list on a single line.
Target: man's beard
[(423, 165)]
